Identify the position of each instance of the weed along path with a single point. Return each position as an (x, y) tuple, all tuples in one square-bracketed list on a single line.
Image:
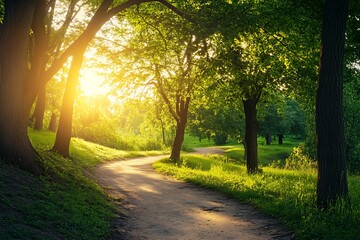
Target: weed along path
[(159, 207)]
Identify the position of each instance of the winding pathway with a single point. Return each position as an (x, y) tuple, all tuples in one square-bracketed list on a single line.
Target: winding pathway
[(159, 207)]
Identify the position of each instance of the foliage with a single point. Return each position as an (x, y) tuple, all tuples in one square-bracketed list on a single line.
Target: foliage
[(126, 127), (352, 119), (352, 89), (299, 161), (2, 11), (284, 117), (213, 116), (286, 194)]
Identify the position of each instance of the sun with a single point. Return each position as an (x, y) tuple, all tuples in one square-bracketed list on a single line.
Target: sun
[(91, 83)]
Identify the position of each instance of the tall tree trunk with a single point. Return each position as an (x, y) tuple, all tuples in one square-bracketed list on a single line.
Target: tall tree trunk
[(37, 52), (40, 108), (63, 135), (332, 176), (182, 108), (52, 123), (251, 129), (163, 131), (41, 26), (15, 146), (178, 140)]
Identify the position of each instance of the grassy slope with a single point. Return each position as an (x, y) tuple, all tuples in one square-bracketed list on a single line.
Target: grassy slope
[(286, 194), (62, 204)]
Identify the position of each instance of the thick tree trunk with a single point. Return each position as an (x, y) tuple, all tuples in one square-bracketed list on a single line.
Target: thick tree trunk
[(15, 146), (332, 176), (40, 109), (37, 54), (63, 135), (38, 61), (179, 138), (251, 129)]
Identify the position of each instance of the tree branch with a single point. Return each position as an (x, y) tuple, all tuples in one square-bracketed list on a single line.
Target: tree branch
[(101, 16)]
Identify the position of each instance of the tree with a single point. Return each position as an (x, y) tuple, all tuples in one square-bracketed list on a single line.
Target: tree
[(16, 86), (101, 16), (332, 176), (63, 135), (249, 64), (166, 54), (181, 81), (20, 81), (51, 42)]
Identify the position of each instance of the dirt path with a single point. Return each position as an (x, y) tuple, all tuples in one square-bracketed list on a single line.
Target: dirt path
[(159, 207)]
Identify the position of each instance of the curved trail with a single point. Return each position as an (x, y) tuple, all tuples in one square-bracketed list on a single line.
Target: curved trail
[(160, 207)]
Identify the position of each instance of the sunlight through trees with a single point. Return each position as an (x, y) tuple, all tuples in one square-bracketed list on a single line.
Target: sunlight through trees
[(147, 74)]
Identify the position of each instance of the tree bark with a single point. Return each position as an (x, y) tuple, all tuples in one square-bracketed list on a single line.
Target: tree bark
[(38, 52), (182, 108), (251, 129), (40, 109), (63, 135), (178, 140), (163, 131), (15, 146), (332, 176), (52, 124)]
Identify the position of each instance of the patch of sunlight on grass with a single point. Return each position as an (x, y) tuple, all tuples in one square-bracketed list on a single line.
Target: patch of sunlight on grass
[(84, 152)]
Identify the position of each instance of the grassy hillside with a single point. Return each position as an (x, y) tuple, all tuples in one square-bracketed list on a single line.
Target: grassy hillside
[(62, 204)]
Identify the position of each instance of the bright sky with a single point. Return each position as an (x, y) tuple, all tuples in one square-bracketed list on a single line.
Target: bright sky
[(93, 74), (91, 83)]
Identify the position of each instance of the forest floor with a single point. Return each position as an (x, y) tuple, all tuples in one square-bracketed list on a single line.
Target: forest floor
[(154, 206)]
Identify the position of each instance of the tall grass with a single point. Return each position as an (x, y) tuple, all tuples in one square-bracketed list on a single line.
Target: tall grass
[(288, 195)]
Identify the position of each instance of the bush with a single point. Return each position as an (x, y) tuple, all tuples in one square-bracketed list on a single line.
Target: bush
[(220, 138), (298, 160)]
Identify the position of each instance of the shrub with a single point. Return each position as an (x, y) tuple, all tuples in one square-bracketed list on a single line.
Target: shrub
[(298, 160), (220, 138)]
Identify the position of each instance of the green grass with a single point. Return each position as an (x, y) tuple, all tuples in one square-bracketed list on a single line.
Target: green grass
[(191, 142), (62, 204), (267, 154), (288, 195)]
